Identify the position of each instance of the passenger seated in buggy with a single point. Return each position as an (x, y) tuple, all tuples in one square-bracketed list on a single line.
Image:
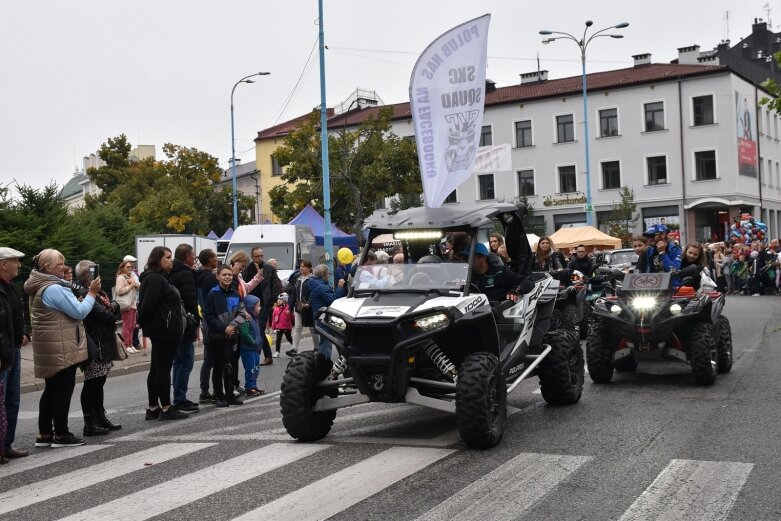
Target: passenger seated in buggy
[(495, 280)]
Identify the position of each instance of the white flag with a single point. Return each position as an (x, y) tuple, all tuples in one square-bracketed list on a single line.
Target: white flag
[(447, 97)]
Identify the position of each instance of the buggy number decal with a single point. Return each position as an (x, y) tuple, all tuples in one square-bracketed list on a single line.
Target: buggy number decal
[(479, 301)]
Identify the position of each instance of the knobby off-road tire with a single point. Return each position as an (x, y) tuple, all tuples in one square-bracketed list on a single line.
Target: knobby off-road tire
[(585, 322), (569, 318), (561, 372), (299, 394), (599, 352), (724, 344), (701, 350), (481, 401)]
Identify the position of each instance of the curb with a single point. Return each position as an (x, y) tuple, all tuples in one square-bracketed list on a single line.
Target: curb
[(142, 365)]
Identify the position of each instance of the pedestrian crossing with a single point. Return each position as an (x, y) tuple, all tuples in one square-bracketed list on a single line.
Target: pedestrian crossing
[(339, 481)]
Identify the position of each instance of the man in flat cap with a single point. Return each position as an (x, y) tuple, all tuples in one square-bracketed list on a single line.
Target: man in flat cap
[(12, 337)]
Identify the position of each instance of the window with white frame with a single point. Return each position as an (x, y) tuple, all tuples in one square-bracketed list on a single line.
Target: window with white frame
[(702, 108), (608, 122), (657, 170), (654, 116), (525, 183), (565, 128), (611, 175), (705, 165), (523, 133), (486, 136), (568, 181), (486, 187)]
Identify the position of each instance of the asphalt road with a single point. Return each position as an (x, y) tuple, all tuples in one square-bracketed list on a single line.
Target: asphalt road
[(650, 445)]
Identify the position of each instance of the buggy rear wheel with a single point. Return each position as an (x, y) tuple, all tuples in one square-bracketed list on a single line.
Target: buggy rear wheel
[(298, 395), (724, 344), (561, 372), (701, 350), (481, 401), (599, 352)]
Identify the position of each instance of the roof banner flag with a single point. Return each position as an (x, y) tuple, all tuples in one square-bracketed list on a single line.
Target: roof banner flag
[(447, 96)]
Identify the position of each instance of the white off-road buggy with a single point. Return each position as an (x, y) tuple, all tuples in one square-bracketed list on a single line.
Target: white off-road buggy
[(421, 333)]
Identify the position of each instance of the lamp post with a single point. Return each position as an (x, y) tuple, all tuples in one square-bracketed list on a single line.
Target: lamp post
[(328, 242), (583, 44), (245, 79)]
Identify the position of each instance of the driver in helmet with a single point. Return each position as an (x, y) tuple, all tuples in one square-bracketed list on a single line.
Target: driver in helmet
[(493, 279)]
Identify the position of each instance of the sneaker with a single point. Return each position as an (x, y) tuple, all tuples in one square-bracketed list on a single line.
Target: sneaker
[(173, 414), (239, 389), (219, 402), (187, 406), (276, 355), (206, 399), (152, 414), (67, 440), (131, 349), (235, 401), (43, 440), (291, 353)]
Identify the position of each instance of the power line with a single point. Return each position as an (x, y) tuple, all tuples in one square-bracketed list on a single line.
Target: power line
[(304, 70)]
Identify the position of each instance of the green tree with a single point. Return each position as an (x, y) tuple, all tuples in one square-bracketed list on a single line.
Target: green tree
[(173, 195), (622, 219), (365, 165), (530, 224)]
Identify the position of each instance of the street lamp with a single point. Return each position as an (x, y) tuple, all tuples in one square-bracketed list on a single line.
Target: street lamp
[(583, 44), (245, 79)]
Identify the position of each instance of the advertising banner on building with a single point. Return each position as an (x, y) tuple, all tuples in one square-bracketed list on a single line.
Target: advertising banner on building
[(745, 110), (447, 97)]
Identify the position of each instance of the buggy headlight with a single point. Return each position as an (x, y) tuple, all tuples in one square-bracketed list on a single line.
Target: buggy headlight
[(336, 322), (430, 322), (643, 303), (615, 309), (675, 309)]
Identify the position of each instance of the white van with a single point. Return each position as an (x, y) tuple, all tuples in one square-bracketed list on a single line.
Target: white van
[(287, 243)]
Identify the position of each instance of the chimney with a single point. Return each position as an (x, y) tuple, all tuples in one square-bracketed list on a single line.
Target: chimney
[(490, 85), (688, 55), (533, 77), (642, 59)]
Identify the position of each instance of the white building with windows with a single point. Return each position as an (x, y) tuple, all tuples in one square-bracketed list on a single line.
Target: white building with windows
[(689, 138)]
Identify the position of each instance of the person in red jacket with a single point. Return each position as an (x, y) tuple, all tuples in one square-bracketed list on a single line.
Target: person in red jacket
[(281, 322)]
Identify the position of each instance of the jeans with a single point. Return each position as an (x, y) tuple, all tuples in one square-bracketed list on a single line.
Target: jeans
[(325, 346), (11, 379), (184, 359), (298, 330), (250, 359)]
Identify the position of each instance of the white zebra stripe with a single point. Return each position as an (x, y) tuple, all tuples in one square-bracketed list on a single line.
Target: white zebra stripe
[(148, 503), (47, 458), (79, 479), (509, 490), (355, 483), (691, 491)]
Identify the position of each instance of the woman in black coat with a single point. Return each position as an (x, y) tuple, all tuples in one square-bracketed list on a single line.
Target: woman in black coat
[(161, 319), (101, 326)]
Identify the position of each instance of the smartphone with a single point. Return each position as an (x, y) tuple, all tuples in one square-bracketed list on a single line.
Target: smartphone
[(94, 271)]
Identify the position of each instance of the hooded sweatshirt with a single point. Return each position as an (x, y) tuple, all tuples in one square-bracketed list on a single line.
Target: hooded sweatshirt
[(249, 330)]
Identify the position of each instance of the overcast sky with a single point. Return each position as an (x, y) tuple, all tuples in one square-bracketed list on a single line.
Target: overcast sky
[(77, 72)]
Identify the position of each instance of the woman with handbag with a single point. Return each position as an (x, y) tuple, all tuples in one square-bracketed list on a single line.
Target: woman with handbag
[(126, 295), (302, 313), (160, 315), (101, 327)]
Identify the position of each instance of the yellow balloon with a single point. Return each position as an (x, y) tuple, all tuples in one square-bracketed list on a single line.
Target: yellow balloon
[(345, 255)]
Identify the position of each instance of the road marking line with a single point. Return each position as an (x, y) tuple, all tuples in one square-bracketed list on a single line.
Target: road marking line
[(332, 494), (183, 490), (509, 490), (47, 458), (691, 490), (66, 483)]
